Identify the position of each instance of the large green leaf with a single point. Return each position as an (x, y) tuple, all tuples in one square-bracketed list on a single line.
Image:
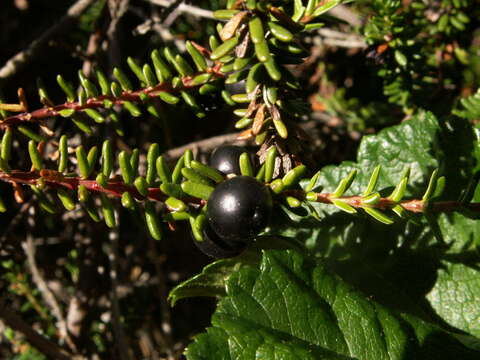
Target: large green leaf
[(456, 296), (294, 308)]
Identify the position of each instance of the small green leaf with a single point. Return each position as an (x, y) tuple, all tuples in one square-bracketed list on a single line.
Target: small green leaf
[(400, 58), (102, 180), (149, 75), (224, 14), (25, 130), (66, 199), (277, 186), (83, 165), (378, 215), (174, 190), (35, 156), (63, 154), (432, 184), (162, 70), (195, 176), (66, 87), (197, 57), (280, 32), (262, 51), (207, 171), (197, 190), (6, 147), (175, 204), (153, 222), (256, 30), (246, 167), (122, 79), (270, 163), (293, 176), (107, 158), (168, 98), (224, 49), (371, 199), (108, 211), (344, 184), (128, 201), (136, 69), (343, 206), (372, 183), (126, 168), (141, 185)]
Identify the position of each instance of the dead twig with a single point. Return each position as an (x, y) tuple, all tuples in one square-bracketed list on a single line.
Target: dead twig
[(204, 145), (48, 297), (22, 58), (120, 338), (41, 343), (184, 8)]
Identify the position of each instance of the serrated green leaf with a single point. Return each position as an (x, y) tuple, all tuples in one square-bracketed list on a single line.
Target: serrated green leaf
[(294, 307), (455, 296)]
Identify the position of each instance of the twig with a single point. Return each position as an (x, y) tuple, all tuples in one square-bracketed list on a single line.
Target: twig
[(98, 102), (120, 338), (185, 8), (48, 297), (22, 58), (341, 39), (346, 14), (414, 205), (114, 188), (45, 346), (204, 145), (166, 325), (116, 8)]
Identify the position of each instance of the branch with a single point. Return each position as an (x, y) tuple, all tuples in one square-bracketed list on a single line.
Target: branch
[(415, 206), (205, 145), (99, 101), (346, 14), (25, 56), (120, 338), (48, 297), (185, 8), (44, 345), (56, 180), (341, 39)]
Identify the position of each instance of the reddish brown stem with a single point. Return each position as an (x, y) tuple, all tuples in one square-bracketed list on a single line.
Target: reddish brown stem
[(414, 205), (114, 188), (98, 102)]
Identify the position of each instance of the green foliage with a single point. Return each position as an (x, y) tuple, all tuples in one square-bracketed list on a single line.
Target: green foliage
[(375, 258), (262, 315)]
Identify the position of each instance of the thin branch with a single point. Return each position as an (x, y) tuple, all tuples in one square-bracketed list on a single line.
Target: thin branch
[(44, 345), (414, 205), (205, 145), (22, 58), (120, 338), (99, 101), (48, 297), (345, 13), (55, 180), (185, 8), (337, 38)]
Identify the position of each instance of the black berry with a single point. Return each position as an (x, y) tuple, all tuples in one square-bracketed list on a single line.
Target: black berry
[(215, 247), (239, 208), (226, 159)]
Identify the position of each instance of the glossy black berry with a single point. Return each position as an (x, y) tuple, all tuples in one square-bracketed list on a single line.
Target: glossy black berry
[(239, 208), (215, 247), (226, 159)]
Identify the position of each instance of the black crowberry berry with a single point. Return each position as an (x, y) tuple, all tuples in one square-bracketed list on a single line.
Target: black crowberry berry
[(239, 208), (215, 247), (226, 159)]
